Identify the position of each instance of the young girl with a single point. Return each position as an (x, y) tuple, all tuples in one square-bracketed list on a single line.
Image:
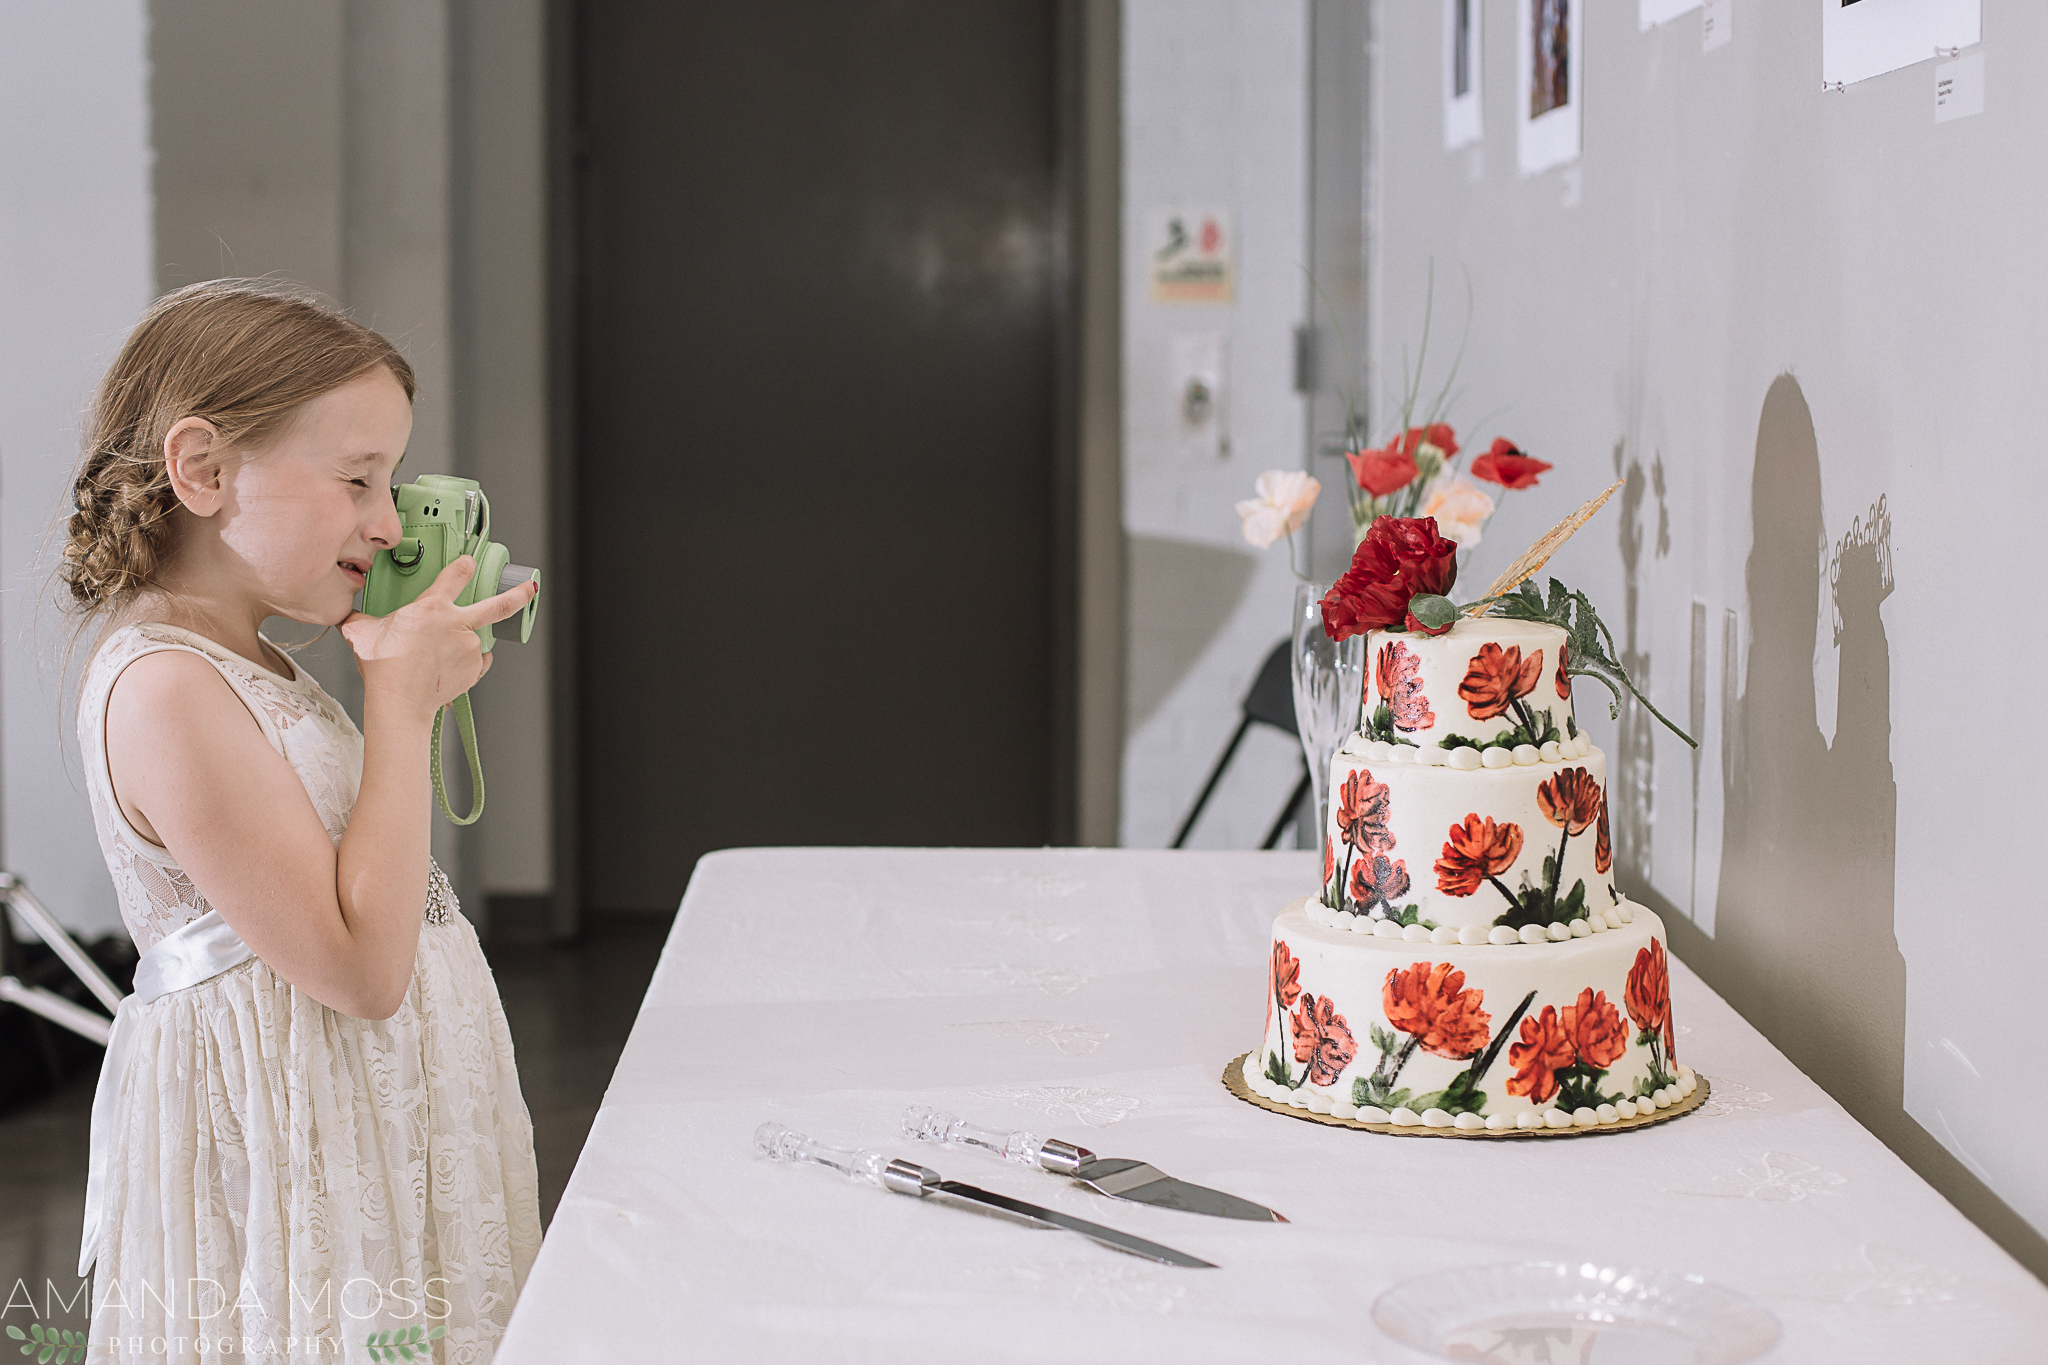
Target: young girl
[(308, 1129)]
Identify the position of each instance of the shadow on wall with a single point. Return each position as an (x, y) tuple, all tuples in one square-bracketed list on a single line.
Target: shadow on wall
[(1803, 944), (1182, 595)]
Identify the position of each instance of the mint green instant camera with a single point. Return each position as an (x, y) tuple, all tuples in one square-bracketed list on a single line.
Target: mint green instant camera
[(441, 519)]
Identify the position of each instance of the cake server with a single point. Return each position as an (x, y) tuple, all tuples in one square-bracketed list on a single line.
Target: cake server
[(1117, 1177), (904, 1177)]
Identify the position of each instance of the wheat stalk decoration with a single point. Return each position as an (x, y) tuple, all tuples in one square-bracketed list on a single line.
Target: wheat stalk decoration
[(1537, 555)]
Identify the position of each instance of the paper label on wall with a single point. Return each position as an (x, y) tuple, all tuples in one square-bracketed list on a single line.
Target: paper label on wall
[(1959, 87), (1717, 24), (1864, 38), (1188, 254), (1650, 13), (1462, 125), (1549, 82)]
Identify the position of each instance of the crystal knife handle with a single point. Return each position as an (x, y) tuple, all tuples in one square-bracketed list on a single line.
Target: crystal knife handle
[(1026, 1149), (775, 1141)]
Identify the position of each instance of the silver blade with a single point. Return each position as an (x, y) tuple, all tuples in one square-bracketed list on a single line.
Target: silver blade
[(1146, 1184), (1109, 1237)]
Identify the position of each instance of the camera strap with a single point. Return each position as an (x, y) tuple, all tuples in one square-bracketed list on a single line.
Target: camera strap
[(465, 722)]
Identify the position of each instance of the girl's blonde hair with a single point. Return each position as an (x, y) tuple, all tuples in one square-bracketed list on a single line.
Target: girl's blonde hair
[(243, 354)]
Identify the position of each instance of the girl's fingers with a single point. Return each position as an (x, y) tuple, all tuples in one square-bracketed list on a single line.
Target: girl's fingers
[(448, 584), (494, 609)]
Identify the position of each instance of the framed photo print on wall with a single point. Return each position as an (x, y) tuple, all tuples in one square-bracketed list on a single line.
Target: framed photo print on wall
[(1549, 83), (1462, 126)]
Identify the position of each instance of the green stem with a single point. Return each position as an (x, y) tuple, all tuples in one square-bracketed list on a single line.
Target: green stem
[(1498, 886)]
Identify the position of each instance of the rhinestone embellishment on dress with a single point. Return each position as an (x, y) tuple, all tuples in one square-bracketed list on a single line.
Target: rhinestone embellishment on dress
[(441, 902)]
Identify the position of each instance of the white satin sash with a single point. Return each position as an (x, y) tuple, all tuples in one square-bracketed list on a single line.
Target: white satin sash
[(190, 955)]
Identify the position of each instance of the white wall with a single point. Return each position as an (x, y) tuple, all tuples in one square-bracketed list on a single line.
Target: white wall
[(75, 271), (1215, 114), (1733, 225)]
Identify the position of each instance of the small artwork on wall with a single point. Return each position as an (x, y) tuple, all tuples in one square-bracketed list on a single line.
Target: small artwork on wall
[(1861, 40), (1550, 83), (1462, 125)]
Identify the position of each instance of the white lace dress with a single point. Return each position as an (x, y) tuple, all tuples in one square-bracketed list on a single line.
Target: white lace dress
[(284, 1176)]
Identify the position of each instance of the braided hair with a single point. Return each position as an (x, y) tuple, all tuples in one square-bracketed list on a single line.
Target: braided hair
[(243, 354)]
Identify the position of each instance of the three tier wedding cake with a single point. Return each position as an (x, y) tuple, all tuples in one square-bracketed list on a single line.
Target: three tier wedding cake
[(1468, 962)]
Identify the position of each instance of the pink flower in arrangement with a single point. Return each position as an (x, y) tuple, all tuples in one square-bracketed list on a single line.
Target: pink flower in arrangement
[(1430, 1002), (1461, 508), (1399, 677), (1282, 505), (1322, 1039)]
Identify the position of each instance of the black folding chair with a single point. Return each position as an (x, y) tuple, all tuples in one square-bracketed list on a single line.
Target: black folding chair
[(1270, 702)]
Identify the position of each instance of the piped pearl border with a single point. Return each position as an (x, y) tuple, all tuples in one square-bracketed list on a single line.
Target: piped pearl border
[(1686, 1094), (1464, 758), (1473, 935)]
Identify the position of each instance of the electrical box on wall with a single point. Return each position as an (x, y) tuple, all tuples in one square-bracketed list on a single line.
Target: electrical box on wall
[(1198, 390)]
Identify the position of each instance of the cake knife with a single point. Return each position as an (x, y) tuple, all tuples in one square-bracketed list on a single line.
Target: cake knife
[(1117, 1177), (905, 1177)]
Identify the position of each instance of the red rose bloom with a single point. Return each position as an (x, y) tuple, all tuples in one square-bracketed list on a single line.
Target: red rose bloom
[(1594, 1026), (1438, 434), (1380, 472), (1572, 800), (1603, 848), (1507, 466), (1399, 558), (1322, 1039), (1430, 1001), (1497, 678), (1545, 1050), (1564, 681), (1329, 860), (1478, 849)]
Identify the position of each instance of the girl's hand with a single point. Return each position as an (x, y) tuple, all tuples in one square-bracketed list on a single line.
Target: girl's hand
[(427, 653)]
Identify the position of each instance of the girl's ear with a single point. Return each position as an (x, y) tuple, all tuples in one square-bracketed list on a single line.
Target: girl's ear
[(193, 456)]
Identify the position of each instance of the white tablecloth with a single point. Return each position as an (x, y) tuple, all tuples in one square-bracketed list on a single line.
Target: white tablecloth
[(1095, 996)]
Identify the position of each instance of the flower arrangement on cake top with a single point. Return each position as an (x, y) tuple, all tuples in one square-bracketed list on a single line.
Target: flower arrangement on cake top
[(1400, 579)]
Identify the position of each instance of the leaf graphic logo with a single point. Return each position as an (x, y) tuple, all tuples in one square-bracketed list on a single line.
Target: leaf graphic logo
[(403, 1344), (53, 1346)]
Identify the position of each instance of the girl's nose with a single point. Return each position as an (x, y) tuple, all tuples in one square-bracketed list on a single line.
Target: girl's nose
[(385, 528)]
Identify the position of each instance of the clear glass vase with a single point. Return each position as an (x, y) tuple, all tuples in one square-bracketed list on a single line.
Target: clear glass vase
[(1328, 681)]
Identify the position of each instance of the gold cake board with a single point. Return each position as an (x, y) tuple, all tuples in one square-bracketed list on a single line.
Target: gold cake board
[(1233, 1081)]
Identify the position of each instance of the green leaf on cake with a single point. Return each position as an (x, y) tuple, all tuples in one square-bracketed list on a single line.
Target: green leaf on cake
[(1382, 1039), (1276, 1070), (1591, 651), (1435, 612), (1380, 726), (1369, 1090)]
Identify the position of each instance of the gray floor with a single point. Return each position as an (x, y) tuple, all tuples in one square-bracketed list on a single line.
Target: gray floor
[(570, 1009)]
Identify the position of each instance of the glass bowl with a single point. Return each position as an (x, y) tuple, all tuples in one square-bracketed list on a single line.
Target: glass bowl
[(1552, 1313)]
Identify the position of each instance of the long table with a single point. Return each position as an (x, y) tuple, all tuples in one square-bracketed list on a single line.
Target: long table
[(1095, 995)]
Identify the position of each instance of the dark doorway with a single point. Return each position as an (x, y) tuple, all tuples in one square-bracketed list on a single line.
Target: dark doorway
[(820, 324)]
